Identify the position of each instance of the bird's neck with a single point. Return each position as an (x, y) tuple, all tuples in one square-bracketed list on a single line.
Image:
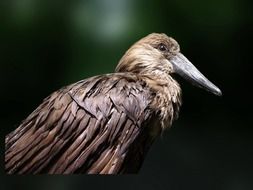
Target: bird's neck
[(156, 75), (167, 99)]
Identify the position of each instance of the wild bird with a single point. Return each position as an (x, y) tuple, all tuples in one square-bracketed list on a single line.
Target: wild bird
[(106, 124)]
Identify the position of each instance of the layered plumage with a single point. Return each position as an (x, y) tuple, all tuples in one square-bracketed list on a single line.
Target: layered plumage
[(104, 124)]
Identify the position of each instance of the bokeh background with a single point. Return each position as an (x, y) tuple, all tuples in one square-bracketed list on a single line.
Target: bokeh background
[(48, 44)]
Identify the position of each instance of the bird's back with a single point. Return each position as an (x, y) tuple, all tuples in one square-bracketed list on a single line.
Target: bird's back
[(99, 125)]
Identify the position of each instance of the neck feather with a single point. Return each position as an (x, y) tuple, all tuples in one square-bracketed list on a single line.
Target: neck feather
[(155, 71), (167, 101)]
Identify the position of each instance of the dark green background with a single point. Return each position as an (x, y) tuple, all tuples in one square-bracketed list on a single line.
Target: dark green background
[(48, 44)]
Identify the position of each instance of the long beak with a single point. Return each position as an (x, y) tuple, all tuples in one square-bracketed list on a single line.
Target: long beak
[(183, 67)]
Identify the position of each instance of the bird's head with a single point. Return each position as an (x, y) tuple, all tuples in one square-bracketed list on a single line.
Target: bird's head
[(158, 54)]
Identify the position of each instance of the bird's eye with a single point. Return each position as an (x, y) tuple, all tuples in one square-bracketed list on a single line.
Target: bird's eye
[(162, 47)]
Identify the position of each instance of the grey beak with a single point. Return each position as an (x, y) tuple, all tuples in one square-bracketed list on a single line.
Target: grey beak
[(187, 70)]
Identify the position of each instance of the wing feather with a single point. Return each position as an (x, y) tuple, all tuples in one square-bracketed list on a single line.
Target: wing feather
[(91, 126)]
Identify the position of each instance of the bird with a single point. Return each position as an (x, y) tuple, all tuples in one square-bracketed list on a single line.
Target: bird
[(107, 123)]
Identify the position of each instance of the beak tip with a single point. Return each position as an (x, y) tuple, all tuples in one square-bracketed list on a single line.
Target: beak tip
[(218, 92)]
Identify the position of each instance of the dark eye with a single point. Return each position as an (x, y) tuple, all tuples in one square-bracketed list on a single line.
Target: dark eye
[(162, 47)]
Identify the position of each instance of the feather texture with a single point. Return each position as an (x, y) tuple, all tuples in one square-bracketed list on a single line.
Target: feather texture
[(100, 125), (90, 127)]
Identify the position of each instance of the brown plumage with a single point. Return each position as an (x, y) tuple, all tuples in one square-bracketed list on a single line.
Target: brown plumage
[(104, 124)]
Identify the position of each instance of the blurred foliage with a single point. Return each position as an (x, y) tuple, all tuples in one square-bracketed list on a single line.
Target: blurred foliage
[(48, 44)]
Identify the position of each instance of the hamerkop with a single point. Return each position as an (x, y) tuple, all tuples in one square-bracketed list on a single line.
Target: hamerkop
[(106, 124)]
